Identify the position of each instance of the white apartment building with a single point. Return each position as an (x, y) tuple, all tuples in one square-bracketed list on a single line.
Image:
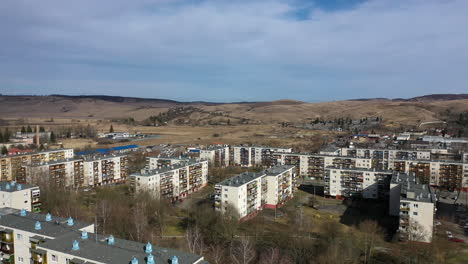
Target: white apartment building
[(217, 156), (357, 182), (414, 203), (22, 231), (172, 182), (20, 196), (37, 239), (247, 193), (103, 170), (153, 163), (247, 156)]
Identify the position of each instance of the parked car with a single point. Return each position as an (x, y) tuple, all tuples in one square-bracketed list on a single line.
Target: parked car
[(449, 234), (456, 240)]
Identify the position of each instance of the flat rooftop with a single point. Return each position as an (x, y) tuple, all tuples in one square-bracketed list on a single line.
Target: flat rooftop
[(57, 227), (182, 164), (35, 153), (102, 157), (278, 169), (96, 248), (411, 189), (358, 169), (56, 162), (242, 179), (14, 186)]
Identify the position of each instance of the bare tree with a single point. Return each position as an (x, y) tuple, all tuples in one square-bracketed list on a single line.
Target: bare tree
[(194, 240), (217, 253), (140, 220), (103, 213), (242, 252), (416, 232), (370, 235)]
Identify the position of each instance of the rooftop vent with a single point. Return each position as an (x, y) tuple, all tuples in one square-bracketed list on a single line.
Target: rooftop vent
[(175, 260), (7, 186), (111, 240), (23, 212), (19, 187), (134, 260), (84, 235), (48, 217), (38, 226), (150, 259), (70, 221), (76, 246), (148, 248)]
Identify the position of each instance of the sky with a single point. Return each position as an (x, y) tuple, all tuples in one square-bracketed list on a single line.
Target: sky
[(234, 50)]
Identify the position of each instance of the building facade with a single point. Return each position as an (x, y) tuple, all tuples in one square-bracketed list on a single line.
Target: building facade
[(414, 204), (172, 182), (248, 193), (20, 196), (217, 156)]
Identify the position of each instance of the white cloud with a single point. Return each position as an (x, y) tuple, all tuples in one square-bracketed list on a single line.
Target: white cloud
[(377, 46)]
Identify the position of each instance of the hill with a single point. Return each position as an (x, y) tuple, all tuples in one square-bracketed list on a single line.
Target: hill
[(393, 112)]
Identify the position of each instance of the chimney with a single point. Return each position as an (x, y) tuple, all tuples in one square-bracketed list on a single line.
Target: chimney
[(37, 136)]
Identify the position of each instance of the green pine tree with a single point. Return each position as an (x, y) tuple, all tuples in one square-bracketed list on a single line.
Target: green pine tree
[(23, 130), (41, 129), (1, 137), (52, 137), (6, 135), (29, 129), (4, 150), (111, 130)]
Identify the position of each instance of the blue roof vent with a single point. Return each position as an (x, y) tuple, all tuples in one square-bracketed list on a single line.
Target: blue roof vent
[(134, 260), (150, 259), (7, 186), (148, 248), (70, 221), (23, 212), (84, 235), (111, 240), (38, 226), (48, 217), (76, 245), (175, 260), (19, 187), (13, 183)]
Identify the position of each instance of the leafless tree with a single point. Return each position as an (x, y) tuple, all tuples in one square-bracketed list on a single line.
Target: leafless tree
[(217, 253), (370, 235), (140, 220), (194, 240), (242, 251), (103, 213)]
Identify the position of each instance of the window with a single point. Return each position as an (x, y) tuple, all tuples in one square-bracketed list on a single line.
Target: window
[(415, 213), (19, 236), (20, 259), (54, 258), (415, 205)]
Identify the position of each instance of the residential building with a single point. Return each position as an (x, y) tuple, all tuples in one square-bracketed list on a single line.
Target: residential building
[(247, 156), (357, 182), (22, 232), (172, 182), (36, 238), (11, 166), (88, 171), (414, 203), (153, 163), (248, 192), (20, 196), (217, 156)]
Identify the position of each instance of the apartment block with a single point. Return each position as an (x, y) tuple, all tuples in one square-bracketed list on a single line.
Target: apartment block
[(172, 182), (357, 182), (217, 156), (11, 166), (247, 156), (447, 174), (22, 232), (20, 196), (414, 203), (249, 192), (103, 170), (41, 239), (81, 172), (153, 163)]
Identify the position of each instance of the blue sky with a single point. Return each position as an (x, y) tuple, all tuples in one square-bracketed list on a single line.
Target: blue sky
[(235, 50)]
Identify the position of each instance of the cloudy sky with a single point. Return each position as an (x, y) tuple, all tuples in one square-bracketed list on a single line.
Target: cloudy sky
[(234, 50)]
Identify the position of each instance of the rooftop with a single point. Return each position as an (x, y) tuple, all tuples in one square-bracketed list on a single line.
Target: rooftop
[(56, 162), (358, 169), (411, 189), (96, 248), (242, 179), (278, 169), (13, 186), (102, 157), (36, 152), (182, 164), (57, 227)]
